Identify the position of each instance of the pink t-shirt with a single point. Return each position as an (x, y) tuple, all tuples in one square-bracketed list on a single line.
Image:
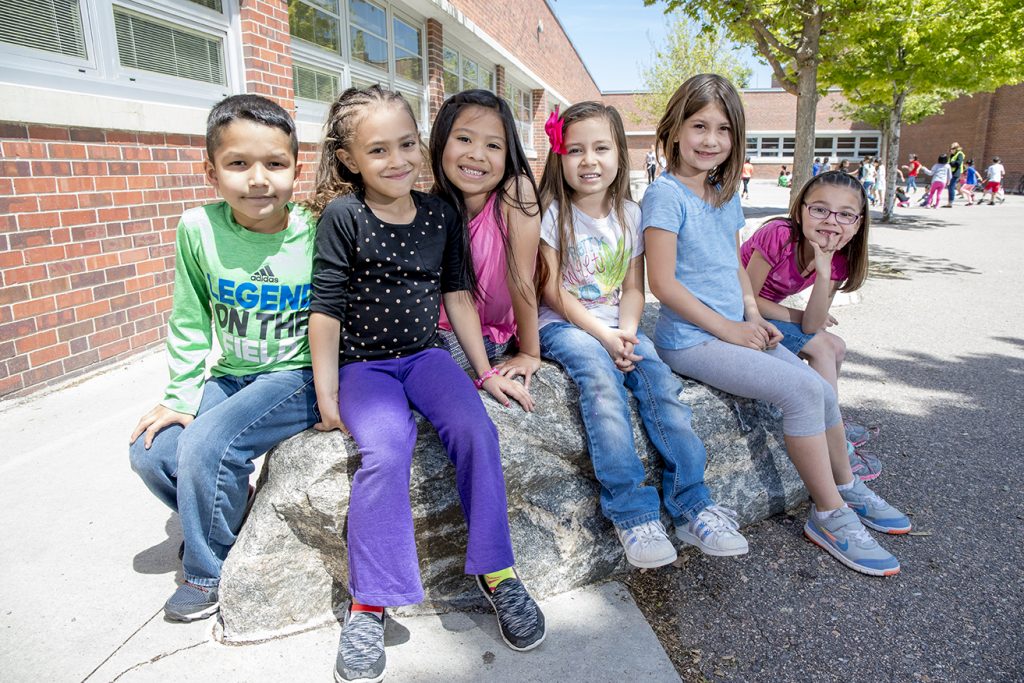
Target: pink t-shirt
[(772, 240), (494, 303)]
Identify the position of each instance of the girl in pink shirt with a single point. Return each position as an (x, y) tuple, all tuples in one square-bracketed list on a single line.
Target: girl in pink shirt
[(480, 167), (826, 232)]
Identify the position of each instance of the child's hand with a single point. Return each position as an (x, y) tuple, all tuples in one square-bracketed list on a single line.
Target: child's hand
[(155, 420), (614, 342), (330, 418), (627, 363), (501, 388), (520, 364), (830, 320), (749, 334), (774, 336)]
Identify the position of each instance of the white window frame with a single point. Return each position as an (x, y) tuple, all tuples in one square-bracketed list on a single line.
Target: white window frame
[(482, 65), (865, 142), (101, 73), (522, 125), (350, 70)]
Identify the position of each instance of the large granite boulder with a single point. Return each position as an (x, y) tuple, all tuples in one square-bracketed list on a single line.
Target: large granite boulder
[(289, 567)]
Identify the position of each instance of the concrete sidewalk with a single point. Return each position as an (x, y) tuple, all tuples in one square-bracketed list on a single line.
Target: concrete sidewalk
[(90, 556)]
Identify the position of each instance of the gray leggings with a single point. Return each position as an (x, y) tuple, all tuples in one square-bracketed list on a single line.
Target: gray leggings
[(807, 402), (451, 342)]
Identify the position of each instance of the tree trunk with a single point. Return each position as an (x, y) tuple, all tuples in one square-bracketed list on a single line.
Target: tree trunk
[(806, 99), (893, 158)]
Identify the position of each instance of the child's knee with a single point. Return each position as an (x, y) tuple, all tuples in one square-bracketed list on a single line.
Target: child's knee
[(838, 347)]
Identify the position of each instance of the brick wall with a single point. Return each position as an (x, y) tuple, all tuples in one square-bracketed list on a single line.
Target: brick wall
[(549, 54), (266, 50), (87, 226), (985, 125)]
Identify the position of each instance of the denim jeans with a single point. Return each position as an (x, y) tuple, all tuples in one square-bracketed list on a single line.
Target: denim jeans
[(202, 471), (604, 407)]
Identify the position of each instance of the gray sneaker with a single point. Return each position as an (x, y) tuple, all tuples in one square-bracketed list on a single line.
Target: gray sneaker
[(874, 511), (519, 618), (191, 602), (361, 655), (844, 537)]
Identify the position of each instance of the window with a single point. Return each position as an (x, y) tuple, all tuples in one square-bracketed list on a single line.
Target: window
[(408, 48), (176, 51), (462, 72), (51, 25), (150, 45), (317, 22), (314, 84), (521, 103), (368, 31), (842, 146)]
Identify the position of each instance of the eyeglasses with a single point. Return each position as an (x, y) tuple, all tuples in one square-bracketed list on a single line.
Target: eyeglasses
[(821, 213)]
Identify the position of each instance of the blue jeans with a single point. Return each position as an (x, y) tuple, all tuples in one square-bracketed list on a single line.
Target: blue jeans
[(202, 471), (793, 336), (604, 408), (953, 182)]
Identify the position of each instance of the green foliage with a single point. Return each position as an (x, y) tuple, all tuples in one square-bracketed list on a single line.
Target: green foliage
[(930, 51), (688, 50)]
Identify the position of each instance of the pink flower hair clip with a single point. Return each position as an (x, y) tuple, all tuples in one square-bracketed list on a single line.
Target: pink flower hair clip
[(554, 127)]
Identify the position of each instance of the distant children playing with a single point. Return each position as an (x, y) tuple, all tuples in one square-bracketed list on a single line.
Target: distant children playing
[(821, 245), (994, 182), (480, 168), (243, 268), (941, 176), (710, 327), (589, 325), (385, 257)]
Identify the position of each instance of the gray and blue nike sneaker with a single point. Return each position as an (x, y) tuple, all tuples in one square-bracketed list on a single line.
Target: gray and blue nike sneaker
[(845, 538), (874, 511)]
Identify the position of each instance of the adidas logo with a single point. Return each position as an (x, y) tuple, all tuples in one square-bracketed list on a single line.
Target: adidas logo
[(264, 274)]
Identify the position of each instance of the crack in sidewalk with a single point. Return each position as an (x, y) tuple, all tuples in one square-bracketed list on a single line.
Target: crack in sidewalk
[(136, 666), (157, 659)]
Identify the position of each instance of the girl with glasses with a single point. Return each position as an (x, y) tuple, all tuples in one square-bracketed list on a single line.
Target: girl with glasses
[(826, 232)]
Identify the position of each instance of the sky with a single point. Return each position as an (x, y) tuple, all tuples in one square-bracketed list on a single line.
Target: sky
[(614, 38)]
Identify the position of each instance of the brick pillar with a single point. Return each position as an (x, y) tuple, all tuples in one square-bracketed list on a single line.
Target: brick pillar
[(267, 50), (499, 80), (539, 112), (435, 66)]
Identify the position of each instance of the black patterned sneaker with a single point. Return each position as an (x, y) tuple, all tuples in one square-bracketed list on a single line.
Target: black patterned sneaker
[(191, 602), (361, 648), (519, 618)]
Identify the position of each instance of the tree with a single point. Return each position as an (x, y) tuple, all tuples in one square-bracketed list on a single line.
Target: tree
[(795, 37), (909, 59), (687, 51)]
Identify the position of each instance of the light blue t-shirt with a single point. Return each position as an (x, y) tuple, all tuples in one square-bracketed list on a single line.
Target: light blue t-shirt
[(706, 261)]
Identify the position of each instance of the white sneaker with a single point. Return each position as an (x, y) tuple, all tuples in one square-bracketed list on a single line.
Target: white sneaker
[(715, 531), (647, 545)]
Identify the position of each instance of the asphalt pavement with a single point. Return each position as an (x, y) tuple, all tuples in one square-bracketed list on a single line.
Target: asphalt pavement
[(936, 361)]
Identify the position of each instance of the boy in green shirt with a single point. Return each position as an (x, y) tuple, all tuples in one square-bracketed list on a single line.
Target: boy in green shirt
[(243, 269)]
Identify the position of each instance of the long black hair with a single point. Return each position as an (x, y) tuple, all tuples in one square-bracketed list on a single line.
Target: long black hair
[(510, 187)]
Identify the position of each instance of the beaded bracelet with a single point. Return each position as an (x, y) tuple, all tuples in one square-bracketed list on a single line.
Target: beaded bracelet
[(479, 381)]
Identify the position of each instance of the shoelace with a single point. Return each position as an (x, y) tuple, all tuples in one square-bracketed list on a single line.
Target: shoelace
[(648, 531), (856, 532), (873, 499), (719, 518)]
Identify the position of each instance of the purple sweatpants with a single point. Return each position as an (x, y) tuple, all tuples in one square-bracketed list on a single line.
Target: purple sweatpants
[(375, 399)]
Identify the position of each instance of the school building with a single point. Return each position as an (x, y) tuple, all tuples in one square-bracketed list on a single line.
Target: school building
[(102, 116)]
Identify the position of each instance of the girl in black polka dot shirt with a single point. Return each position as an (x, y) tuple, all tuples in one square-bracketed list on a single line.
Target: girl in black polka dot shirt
[(385, 258)]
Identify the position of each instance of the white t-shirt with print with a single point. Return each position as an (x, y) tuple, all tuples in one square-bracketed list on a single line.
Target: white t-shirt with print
[(595, 273)]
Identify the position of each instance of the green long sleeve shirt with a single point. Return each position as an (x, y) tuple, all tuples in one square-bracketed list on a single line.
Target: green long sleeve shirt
[(252, 289)]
